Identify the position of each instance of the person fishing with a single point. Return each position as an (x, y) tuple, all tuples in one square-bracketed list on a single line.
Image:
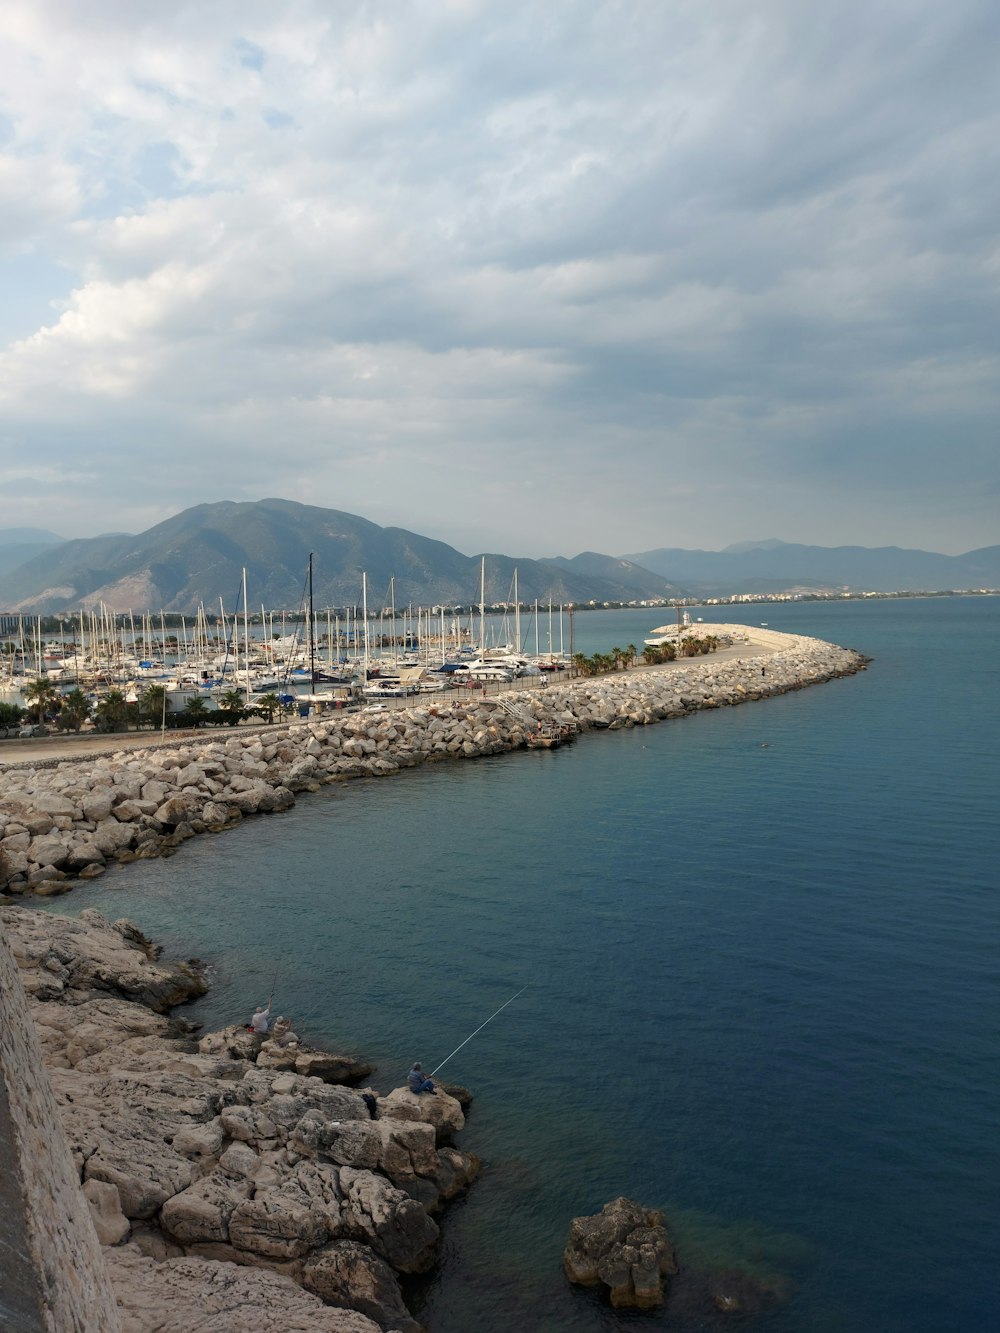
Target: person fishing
[(261, 1019), (418, 1080)]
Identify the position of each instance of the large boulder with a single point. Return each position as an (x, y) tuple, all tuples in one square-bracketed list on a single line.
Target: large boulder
[(294, 1217), (201, 1213), (437, 1109), (393, 1224), (145, 1171), (198, 1296), (625, 1247), (348, 1274), (97, 804), (48, 850), (83, 854), (110, 836), (177, 810), (331, 1068)]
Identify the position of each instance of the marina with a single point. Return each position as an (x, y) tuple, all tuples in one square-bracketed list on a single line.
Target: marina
[(308, 663)]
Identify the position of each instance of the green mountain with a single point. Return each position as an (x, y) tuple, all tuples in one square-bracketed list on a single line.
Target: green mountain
[(198, 557)]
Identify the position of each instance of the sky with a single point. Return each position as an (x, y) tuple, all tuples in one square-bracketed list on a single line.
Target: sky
[(526, 278)]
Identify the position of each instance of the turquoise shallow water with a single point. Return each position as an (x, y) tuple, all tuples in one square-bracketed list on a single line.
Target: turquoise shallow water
[(763, 982)]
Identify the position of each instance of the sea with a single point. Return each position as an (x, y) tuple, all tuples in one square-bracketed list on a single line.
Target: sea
[(759, 953)]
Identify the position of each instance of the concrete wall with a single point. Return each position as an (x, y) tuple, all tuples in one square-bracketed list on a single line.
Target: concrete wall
[(52, 1277)]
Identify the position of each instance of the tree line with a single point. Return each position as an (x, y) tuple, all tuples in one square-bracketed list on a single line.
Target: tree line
[(621, 659), (115, 712)]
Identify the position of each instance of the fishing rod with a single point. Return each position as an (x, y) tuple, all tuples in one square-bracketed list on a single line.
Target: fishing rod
[(480, 1027)]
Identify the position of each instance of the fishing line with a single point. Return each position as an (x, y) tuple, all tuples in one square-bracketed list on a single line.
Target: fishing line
[(480, 1028)]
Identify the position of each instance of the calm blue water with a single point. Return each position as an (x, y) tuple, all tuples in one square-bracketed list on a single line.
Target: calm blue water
[(764, 986)]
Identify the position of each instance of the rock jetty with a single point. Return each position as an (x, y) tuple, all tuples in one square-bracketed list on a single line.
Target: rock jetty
[(66, 820), (233, 1185)]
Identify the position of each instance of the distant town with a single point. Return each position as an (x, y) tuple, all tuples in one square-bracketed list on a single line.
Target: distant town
[(12, 622)]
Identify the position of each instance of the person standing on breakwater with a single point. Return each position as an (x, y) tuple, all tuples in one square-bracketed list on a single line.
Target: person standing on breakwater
[(417, 1080)]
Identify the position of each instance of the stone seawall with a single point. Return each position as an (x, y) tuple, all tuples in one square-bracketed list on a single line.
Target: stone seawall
[(70, 819), (53, 1274)]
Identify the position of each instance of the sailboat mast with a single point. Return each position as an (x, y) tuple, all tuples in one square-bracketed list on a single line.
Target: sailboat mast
[(364, 609), (395, 636), (482, 607), (246, 634), (312, 642)]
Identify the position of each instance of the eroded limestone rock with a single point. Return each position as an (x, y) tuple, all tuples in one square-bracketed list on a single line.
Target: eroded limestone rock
[(198, 1296), (625, 1247)]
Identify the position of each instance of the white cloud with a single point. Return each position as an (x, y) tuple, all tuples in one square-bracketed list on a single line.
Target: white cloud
[(627, 254)]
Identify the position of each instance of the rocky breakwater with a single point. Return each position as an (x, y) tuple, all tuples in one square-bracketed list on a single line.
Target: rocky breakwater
[(70, 819), (233, 1185)]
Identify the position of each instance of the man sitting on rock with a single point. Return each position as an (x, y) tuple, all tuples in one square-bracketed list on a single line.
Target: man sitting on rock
[(418, 1081), (282, 1034), (261, 1020)]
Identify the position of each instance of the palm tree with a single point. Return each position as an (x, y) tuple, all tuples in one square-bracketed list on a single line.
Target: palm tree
[(632, 653), (41, 696), (195, 710), (112, 712), (268, 705), (75, 710), (231, 703), (154, 704)]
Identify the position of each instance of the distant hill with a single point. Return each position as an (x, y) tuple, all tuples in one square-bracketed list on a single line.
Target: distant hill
[(18, 545), (775, 566), (610, 569), (35, 536), (198, 556)]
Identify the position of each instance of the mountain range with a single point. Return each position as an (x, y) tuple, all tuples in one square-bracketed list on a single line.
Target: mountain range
[(198, 557), (774, 566)]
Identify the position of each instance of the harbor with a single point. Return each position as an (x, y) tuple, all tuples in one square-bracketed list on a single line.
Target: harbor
[(66, 818), (270, 662)]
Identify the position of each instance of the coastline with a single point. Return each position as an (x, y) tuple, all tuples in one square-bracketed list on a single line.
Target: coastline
[(305, 1162), (68, 812)]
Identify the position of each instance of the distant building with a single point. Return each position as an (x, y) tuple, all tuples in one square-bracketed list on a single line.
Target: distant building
[(8, 624)]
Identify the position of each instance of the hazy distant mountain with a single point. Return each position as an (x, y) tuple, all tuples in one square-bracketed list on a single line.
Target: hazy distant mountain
[(38, 536), (618, 570), (18, 545), (775, 566), (198, 556)]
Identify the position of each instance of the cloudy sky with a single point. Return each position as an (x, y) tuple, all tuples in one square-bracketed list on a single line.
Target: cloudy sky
[(532, 278)]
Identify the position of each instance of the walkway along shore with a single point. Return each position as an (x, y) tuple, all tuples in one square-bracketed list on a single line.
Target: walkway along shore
[(63, 820)]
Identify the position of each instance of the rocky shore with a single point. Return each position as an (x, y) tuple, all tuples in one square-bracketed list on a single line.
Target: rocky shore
[(234, 1186), (66, 820)]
